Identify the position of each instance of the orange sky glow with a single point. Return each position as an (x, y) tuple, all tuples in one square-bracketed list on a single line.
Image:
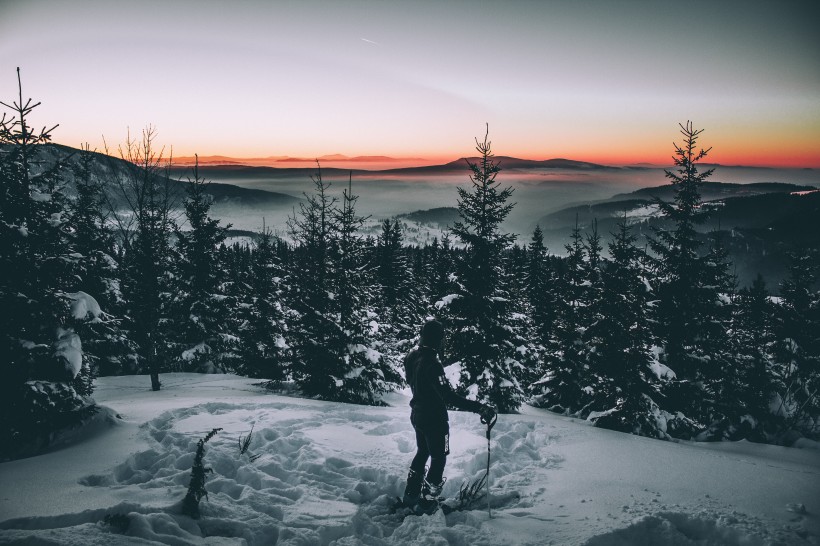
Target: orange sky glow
[(599, 81)]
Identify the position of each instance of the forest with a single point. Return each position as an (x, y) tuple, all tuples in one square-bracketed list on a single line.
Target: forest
[(125, 276)]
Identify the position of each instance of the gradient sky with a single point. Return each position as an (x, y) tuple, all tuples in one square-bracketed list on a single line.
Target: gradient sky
[(605, 81)]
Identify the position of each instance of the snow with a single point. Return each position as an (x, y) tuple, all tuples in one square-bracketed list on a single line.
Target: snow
[(83, 305), (371, 354), (446, 300), (805, 192), (69, 348), (190, 354), (642, 213), (328, 472)]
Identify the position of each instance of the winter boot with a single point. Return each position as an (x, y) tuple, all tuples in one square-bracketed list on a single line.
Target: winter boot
[(429, 501), (413, 489), (432, 491)]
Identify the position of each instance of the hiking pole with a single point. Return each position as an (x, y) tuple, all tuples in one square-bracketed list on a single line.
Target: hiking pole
[(490, 424)]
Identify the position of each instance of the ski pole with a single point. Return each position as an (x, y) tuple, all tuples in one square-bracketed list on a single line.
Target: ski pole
[(490, 425)]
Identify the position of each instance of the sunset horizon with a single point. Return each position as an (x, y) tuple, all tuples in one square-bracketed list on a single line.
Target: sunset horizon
[(600, 82)]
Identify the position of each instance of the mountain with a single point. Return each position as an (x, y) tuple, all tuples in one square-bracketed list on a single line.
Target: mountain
[(759, 222), (275, 160), (441, 217), (507, 163), (109, 170)]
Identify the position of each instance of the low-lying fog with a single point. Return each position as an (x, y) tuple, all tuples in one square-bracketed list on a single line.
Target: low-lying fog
[(537, 192)]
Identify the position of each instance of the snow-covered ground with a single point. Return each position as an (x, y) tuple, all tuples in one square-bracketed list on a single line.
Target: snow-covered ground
[(328, 472)]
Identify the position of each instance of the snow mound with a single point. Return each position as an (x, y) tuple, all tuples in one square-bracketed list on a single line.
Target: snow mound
[(679, 529)]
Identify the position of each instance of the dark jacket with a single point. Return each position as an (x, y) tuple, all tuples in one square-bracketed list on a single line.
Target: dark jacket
[(431, 390)]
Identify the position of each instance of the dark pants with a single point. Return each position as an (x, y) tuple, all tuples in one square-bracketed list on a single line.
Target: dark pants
[(433, 442)]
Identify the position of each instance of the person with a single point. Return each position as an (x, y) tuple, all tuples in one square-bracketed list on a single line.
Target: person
[(431, 396)]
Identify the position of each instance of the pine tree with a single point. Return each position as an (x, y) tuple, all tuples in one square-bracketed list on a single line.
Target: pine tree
[(145, 230), (199, 306), (689, 309), (316, 367), (264, 350), (560, 389), (484, 339), (45, 376), (797, 348), (335, 355), (401, 301), (365, 373), (539, 287), (619, 340), (106, 346), (749, 382)]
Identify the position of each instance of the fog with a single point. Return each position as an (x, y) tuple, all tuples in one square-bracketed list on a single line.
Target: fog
[(383, 194)]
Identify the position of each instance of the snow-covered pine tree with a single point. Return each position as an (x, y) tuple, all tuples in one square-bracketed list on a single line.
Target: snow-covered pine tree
[(442, 268), (560, 389), (484, 338), (620, 342), (264, 350), (749, 386), (106, 346), (44, 376), (718, 377), (539, 286), (199, 308), (400, 298), (689, 306), (591, 310), (797, 349), (335, 354), (316, 366), (144, 230), (365, 372)]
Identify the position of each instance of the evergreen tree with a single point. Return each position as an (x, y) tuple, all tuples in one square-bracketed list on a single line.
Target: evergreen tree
[(560, 389), (264, 350), (690, 313), (484, 338), (316, 368), (45, 377), (365, 372), (106, 346), (749, 386), (539, 287), (797, 348), (145, 230), (619, 340), (335, 356), (400, 298), (442, 269), (199, 306)]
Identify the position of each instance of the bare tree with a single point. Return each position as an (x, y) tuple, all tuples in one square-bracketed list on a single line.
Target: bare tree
[(144, 206)]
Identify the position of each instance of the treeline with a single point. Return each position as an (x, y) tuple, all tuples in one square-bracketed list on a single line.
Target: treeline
[(125, 276)]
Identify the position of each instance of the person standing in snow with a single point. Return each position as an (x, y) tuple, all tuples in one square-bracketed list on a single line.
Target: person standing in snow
[(431, 396)]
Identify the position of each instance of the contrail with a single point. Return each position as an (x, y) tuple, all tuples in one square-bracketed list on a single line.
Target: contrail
[(370, 41)]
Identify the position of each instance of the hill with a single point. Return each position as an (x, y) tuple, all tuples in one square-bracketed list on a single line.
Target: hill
[(760, 222), (109, 170), (440, 217)]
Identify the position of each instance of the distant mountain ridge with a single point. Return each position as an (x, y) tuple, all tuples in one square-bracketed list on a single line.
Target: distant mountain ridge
[(108, 169), (506, 162), (759, 222)]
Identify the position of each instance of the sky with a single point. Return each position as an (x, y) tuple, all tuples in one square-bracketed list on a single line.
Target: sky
[(604, 81)]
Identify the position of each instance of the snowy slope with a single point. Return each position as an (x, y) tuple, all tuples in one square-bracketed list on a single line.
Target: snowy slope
[(328, 472)]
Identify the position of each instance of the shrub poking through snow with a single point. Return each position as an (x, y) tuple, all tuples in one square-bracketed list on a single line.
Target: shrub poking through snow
[(196, 489), (245, 444), (470, 493)]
